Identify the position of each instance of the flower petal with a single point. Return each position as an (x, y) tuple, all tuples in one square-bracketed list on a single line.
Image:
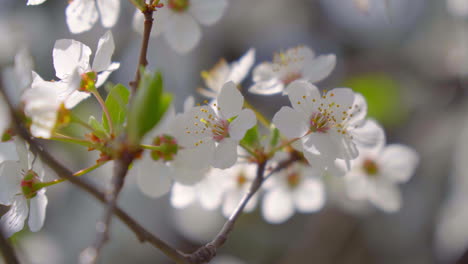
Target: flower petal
[(81, 16), (369, 135), (8, 152), (240, 69), (37, 211), (109, 11), (230, 100), (35, 2), (10, 181), (277, 206), (319, 68), (182, 32), (231, 199), (225, 154), (188, 176), (102, 77), (13, 220), (196, 158), (182, 195), (208, 12), (398, 162), (290, 122), (266, 80), (153, 177), (385, 195), (301, 93), (104, 51), (309, 195), (69, 55), (244, 121)]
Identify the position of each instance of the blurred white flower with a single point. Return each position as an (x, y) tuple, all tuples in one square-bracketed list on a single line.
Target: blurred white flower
[(298, 63), (179, 21), (458, 7), (35, 2), (17, 181), (223, 72), (330, 124), (219, 129), (295, 188), (4, 116), (83, 14), (374, 175)]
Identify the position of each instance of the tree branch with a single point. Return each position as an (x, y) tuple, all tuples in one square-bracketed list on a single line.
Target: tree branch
[(148, 13), (62, 172), (7, 250)]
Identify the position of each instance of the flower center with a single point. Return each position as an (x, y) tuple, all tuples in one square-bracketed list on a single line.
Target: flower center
[(27, 184), (370, 167), (293, 179), (178, 5), (168, 148), (88, 81), (319, 123), (241, 179), (220, 130)]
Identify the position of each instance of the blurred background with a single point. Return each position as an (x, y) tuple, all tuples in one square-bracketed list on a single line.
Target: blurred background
[(409, 58)]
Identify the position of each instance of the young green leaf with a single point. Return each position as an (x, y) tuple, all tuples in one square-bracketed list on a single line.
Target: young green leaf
[(99, 130), (251, 138), (116, 103)]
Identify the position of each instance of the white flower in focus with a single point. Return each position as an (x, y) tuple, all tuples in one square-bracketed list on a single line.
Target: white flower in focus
[(71, 62), (219, 128), (179, 21), (297, 188), (223, 72), (298, 63), (374, 175), (83, 14), (330, 124), (17, 179)]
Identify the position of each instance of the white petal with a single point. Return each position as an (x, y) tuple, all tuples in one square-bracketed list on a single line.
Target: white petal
[(369, 135), (359, 111), (230, 100), (290, 122), (10, 181), (35, 2), (182, 195), (398, 162), (196, 158), (102, 77), (207, 12), (13, 220), (104, 51), (23, 70), (277, 206), (319, 68), (188, 176), (209, 194), (81, 15), (266, 80), (160, 16), (225, 154), (154, 178), (342, 99), (37, 211), (109, 10), (385, 195), (356, 185), (8, 151), (189, 103), (324, 143), (231, 200), (242, 123), (69, 55), (240, 69), (296, 92), (182, 33), (309, 195), (4, 115)]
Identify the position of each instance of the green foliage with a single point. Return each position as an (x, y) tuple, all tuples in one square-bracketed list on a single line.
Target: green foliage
[(140, 4), (275, 137), (251, 138), (383, 96), (148, 106), (99, 129), (116, 103)]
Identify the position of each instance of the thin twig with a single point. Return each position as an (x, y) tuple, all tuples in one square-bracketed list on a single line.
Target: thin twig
[(142, 234), (142, 61), (7, 250)]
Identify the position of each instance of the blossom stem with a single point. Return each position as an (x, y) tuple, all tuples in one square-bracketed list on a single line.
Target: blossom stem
[(150, 147), (263, 120), (285, 144), (104, 109), (248, 149), (64, 138), (76, 174)]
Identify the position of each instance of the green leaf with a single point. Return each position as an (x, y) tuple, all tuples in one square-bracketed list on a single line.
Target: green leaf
[(251, 138), (116, 103), (275, 137), (148, 106), (100, 131), (140, 4)]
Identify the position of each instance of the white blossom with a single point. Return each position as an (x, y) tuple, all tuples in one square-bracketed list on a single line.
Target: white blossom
[(330, 124), (374, 175), (12, 186), (298, 63), (219, 128), (223, 72), (179, 21), (297, 188), (83, 14)]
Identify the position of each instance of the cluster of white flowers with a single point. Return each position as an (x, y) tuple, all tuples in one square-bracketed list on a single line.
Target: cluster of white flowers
[(202, 154)]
